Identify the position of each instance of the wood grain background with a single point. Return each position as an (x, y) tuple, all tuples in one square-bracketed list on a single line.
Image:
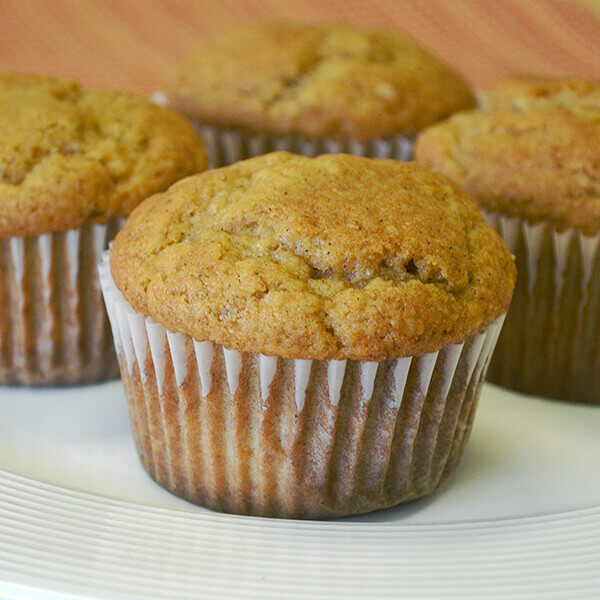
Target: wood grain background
[(131, 44)]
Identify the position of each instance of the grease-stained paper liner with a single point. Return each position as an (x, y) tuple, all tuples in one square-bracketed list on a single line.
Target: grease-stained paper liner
[(262, 435), (229, 145), (53, 325), (550, 343)]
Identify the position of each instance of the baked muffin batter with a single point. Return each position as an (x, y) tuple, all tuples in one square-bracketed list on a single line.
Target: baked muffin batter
[(332, 257), (68, 155), (533, 152), (317, 80)]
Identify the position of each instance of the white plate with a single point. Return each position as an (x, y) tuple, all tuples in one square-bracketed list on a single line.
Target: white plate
[(520, 517)]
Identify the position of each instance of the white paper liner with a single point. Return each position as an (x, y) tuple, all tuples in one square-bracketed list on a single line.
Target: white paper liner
[(229, 145), (53, 326), (256, 434), (550, 343)]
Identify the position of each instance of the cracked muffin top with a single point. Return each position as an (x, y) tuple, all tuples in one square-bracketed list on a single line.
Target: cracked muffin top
[(68, 156), (317, 80), (327, 258), (533, 151)]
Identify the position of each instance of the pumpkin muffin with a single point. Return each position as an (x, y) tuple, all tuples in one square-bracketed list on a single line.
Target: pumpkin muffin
[(531, 158), (305, 337), (312, 89), (73, 164)]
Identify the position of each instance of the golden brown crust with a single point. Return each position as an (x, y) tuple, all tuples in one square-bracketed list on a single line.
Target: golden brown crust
[(526, 92), (334, 257), (68, 156), (317, 80), (534, 152)]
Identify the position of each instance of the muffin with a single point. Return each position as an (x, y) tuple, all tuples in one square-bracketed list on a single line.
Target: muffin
[(313, 89), (73, 163), (526, 92), (305, 337), (531, 158)]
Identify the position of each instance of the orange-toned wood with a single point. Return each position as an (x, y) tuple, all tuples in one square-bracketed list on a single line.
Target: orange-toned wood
[(131, 44)]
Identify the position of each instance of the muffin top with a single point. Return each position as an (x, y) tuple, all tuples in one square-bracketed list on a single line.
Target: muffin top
[(68, 156), (526, 92), (327, 258), (317, 80), (533, 151)]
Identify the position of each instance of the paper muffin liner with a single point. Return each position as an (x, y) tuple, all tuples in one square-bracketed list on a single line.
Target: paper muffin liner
[(53, 324), (254, 434), (229, 145), (550, 343)]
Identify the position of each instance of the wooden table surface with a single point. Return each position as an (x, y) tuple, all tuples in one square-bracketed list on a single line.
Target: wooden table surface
[(131, 44)]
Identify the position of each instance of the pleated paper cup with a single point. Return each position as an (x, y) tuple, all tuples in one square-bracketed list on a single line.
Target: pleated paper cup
[(53, 324), (550, 343), (254, 434), (229, 145)]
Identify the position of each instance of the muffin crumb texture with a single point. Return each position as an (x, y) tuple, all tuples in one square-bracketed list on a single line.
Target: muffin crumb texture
[(334, 257), (533, 151), (68, 156), (317, 80)]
